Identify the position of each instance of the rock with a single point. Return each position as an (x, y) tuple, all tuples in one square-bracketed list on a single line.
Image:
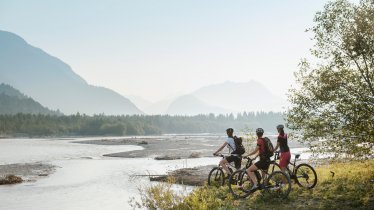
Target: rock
[(195, 155), (10, 179), (166, 157)]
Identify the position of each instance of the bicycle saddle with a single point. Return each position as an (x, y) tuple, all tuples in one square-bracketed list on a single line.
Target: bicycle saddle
[(297, 156)]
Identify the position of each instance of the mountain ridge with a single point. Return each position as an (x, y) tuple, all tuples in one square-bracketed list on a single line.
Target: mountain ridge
[(50, 81)]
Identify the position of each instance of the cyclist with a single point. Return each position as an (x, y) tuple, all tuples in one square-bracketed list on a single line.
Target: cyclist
[(285, 154), (230, 143), (264, 161)]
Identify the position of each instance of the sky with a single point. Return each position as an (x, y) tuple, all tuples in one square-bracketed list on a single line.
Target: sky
[(158, 48)]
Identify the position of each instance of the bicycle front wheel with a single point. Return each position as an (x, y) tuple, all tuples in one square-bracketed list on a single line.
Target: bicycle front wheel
[(306, 176), (278, 184), (216, 177), (274, 166), (240, 184)]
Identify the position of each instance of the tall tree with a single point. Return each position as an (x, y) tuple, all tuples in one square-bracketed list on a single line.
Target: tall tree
[(334, 100)]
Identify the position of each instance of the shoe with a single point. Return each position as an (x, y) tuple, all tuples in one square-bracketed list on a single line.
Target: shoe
[(277, 187)]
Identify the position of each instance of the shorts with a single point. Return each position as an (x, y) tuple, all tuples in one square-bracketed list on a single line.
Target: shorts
[(263, 164), (285, 158), (236, 159)]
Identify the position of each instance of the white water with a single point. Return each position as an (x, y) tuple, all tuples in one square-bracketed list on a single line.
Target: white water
[(79, 183)]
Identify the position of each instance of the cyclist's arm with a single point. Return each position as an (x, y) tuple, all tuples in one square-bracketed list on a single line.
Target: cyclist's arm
[(276, 147), (221, 148), (255, 151)]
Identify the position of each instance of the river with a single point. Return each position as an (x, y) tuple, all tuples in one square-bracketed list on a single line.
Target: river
[(84, 178)]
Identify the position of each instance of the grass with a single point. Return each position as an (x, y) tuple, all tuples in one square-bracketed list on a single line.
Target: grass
[(10, 179), (351, 187)]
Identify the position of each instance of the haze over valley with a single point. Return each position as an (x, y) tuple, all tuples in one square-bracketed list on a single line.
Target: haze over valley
[(54, 84)]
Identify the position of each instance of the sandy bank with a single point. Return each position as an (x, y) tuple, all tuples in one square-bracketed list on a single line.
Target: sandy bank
[(165, 148), (27, 171)]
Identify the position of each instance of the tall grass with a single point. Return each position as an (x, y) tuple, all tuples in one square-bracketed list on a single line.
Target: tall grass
[(341, 185)]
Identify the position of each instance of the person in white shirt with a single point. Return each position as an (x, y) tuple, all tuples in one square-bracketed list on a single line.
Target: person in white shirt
[(230, 143)]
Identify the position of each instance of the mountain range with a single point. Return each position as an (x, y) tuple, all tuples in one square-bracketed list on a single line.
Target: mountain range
[(53, 83), (221, 98)]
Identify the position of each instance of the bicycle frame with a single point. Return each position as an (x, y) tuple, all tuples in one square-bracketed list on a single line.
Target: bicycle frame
[(291, 172)]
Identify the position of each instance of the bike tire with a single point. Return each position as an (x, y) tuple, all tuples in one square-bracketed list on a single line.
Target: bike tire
[(237, 179), (305, 172), (278, 184), (274, 166), (278, 168), (216, 177)]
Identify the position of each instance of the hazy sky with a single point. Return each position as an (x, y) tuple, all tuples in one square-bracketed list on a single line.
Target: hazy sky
[(157, 48)]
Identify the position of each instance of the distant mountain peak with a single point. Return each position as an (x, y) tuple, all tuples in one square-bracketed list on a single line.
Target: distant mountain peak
[(191, 105)]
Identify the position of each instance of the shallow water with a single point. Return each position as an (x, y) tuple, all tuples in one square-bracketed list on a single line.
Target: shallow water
[(80, 183)]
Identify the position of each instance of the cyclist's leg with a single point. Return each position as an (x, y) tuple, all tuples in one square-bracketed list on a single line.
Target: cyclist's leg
[(251, 173), (285, 158), (238, 162), (223, 163)]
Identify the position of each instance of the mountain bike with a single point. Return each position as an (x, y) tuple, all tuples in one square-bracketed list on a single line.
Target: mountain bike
[(303, 174), (277, 183), (217, 177)]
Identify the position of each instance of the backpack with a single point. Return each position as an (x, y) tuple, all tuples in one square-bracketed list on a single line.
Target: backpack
[(269, 148), (239, 146)]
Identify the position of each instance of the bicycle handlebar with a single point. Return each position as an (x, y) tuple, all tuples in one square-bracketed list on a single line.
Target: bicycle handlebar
[(219, 155)]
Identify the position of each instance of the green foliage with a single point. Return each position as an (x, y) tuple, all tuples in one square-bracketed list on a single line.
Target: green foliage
[(50, 125), (334, 100), (351, 187)]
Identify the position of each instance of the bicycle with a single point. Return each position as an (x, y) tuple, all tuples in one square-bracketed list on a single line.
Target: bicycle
[(276, 183), (303, 174), (217, 177)]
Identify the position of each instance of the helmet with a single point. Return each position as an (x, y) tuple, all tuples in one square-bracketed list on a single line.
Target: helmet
[(259, 130), (280, 126)]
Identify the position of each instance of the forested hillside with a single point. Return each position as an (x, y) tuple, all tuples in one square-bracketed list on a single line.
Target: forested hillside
[(13, 101)]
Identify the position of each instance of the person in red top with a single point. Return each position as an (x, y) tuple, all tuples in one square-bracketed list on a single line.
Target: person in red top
[(264, 161), (285, 154)]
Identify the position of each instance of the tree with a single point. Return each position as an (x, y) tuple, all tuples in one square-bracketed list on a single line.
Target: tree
[(334, 100)]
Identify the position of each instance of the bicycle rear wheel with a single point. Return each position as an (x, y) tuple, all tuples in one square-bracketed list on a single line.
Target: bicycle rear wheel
[(278, 184), (306, 176), (240, 184), (216, 177)]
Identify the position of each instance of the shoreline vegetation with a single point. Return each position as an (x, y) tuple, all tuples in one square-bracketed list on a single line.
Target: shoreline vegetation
[(350, 186), (38, 125)]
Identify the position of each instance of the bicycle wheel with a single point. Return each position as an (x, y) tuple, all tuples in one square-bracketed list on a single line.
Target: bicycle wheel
[(240, 184), (216, 177), (306, 176), (274, 166), (278, 184)]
